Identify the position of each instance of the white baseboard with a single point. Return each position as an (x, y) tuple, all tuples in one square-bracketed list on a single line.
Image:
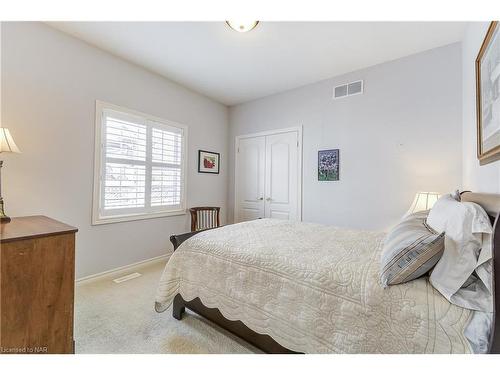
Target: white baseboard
[(129, 267)]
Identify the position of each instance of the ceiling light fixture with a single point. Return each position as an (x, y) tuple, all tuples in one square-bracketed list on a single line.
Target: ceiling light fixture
[(242, 26)]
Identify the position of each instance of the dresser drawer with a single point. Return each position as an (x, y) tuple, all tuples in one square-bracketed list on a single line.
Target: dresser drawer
[(37, 294)]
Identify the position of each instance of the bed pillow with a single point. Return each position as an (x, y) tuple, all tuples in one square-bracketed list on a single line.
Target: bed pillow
[(410, 250), (464, 273)]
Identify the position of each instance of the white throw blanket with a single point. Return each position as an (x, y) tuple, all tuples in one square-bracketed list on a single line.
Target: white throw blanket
[(312, 288)]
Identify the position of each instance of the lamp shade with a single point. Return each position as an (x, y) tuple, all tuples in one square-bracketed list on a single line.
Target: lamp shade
[(423, 201), (7, 143)]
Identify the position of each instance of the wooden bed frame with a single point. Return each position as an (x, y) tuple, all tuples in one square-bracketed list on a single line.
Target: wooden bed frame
[(490, 203)]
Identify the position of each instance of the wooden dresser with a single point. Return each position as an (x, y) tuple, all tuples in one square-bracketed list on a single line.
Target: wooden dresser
[(37, 278)]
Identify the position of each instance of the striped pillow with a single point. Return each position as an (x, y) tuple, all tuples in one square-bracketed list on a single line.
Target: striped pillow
[(411, 249)]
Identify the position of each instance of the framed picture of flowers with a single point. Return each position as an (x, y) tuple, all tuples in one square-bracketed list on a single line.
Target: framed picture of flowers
[(208, 162), (328, 165)]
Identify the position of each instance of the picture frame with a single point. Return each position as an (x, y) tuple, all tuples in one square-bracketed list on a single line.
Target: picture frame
[(488, 97), (208, 162), (329, 165)]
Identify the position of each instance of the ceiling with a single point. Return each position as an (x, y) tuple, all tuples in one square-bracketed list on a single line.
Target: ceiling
[(232, 67)]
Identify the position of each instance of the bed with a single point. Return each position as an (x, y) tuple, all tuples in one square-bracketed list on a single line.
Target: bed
[(307, 288)]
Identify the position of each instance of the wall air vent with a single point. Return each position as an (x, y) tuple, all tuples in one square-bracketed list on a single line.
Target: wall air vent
[(348, 89)]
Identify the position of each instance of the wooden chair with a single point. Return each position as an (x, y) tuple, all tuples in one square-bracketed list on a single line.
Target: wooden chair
[(204, 218)]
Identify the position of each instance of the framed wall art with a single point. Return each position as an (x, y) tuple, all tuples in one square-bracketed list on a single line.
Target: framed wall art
[(488, 97), (328, 165), (208, 162)]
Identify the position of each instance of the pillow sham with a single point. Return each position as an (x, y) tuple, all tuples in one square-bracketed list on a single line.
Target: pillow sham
[(464, 273), (410, 250)]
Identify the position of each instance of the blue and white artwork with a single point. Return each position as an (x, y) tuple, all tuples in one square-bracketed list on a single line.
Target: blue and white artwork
[(328, 165)]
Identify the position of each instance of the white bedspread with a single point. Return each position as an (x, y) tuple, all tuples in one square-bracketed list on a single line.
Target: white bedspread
[(313, 289)]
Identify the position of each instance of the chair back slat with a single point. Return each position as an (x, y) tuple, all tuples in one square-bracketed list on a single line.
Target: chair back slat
[(204, 218)]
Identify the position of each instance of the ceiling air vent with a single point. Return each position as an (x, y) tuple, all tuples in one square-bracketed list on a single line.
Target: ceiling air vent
[(348, 89)]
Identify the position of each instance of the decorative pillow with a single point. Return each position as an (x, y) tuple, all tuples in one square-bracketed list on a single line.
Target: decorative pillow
[(410, 250), (464, 274), (456, 195)]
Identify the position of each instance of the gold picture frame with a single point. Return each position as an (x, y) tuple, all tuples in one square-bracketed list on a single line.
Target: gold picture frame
[(488, 97)]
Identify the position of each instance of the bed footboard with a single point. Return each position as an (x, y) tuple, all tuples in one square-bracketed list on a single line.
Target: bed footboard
[(178, 239), (179, 307), (263, 342), (236, 327)]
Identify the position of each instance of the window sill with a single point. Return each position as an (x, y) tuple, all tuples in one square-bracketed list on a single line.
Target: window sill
[(129, 217)]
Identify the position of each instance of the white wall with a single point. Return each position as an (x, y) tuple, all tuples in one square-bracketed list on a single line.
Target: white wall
[(50, 82), (401, 136), (484, 178)]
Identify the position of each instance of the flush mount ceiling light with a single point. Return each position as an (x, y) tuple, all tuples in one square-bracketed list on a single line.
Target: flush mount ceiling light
[(242, 26)]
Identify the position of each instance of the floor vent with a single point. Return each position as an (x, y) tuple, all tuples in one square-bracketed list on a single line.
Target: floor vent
[(127, 277)]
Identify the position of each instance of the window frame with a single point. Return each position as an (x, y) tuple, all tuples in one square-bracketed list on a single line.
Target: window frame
[(132, 214)]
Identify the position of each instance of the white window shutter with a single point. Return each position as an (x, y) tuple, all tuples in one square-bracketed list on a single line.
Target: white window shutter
[(142, 165), (166, 176)]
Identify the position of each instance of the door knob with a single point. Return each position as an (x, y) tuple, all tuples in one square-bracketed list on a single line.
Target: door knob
[(260, 198), (268, 199)]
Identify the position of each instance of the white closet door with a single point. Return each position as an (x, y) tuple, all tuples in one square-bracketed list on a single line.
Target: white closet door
[(249, 177), (282, 176)]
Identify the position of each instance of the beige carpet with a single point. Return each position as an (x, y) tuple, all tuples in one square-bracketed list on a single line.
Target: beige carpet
[(120, 318)]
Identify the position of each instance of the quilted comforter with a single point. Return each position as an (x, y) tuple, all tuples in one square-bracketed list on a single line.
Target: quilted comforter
[(313, 289)]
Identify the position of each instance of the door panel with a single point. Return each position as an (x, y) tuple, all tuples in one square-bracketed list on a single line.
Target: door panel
[(275, 214), (280, 172), (282, 176), (249, 178)]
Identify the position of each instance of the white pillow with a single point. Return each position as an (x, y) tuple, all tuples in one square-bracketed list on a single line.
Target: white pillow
[(467, 248)]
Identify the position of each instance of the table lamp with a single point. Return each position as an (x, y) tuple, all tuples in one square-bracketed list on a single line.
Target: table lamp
[(423, 201), (7, 144)]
